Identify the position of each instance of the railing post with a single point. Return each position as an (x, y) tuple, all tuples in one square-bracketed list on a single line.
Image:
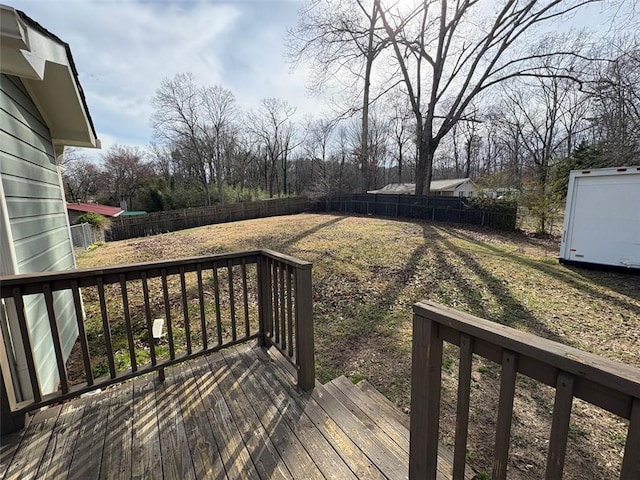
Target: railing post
[(264, 299), (426, 373), (10, 423), (304, 328)]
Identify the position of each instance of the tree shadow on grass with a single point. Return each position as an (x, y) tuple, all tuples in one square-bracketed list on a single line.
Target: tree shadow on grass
[(365, 326), (568, 276), (515, 315), (307, 233), (512, 312)]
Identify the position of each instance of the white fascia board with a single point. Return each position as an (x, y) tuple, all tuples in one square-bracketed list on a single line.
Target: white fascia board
[(46, 72)]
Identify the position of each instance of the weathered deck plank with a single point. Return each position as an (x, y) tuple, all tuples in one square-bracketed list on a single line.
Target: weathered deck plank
[(116, 456), (8, 447), (351, 454), (26, 460), (387, 456), (59, 454), (145, 446), (261, 448), (323, 455), (234, 414), (235, 457), (298, 461), (176, 460), (202, 445)]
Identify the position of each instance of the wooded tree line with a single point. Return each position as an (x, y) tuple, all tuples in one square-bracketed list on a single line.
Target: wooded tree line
[(419, 91)]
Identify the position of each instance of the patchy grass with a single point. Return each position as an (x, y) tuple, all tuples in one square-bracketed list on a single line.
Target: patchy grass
[(367, 272)]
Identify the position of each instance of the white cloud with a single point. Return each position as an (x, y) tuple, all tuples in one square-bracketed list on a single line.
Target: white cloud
[(123, 50)]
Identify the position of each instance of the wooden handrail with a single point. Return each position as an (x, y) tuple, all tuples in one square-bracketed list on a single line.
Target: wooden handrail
[(573, 373), (225, 314)]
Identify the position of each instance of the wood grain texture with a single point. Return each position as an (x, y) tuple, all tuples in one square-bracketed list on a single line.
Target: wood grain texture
[(233, 414), (505, 414), (560, 426), (631, 461), (59, 454), (263, 452), (117, 454), (305, 432), (462, 406)]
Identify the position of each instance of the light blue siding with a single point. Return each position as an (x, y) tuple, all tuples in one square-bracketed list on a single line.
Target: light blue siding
[(37, 218)]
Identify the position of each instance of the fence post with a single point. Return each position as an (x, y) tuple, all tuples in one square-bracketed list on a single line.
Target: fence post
[(264, 300), (304, 329)]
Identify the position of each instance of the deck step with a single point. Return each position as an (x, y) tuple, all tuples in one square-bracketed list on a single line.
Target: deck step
[(367, 403), (369, 419)]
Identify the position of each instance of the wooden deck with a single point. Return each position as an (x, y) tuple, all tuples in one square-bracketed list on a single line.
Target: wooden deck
[(233, 414)]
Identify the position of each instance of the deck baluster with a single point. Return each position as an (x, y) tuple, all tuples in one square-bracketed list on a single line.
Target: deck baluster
[(55, 336), (216, 296), (82, 334), (203, 320), (127, 322), (245, 298), (149, 321), (560, 426), (106, 327), (167, 314), (185, 310), (462, 407)]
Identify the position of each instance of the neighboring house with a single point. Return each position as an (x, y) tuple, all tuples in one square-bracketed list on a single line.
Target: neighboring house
[(74, 210), (458, 187), (42, 110)]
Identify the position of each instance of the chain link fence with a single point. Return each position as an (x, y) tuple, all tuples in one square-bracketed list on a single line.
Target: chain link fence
[(82, 235)]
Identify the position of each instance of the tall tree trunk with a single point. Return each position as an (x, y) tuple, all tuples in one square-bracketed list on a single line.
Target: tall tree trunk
[(218, 166), (400, 163), (364, 143)]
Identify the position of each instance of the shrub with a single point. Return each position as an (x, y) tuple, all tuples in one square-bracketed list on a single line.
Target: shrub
[(95, 220), (501, 213)]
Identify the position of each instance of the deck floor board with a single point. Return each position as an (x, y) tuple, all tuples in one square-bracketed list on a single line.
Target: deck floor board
[(234, 414)]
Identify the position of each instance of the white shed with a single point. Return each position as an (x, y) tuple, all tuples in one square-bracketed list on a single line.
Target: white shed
[(602, 218)]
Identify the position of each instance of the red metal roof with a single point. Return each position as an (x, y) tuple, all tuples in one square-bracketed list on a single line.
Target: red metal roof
[(105, 210)]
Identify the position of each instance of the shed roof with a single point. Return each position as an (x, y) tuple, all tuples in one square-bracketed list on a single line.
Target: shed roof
[(410, 188), (448, 185), (104, 210)]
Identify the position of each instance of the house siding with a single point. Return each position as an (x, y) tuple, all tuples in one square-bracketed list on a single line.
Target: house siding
[(37, 218)]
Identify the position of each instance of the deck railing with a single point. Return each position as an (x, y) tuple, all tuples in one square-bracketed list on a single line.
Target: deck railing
[(572, 373), (204, 303)]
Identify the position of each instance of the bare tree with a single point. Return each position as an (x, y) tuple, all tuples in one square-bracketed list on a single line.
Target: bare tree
[(80, 176), (178, 121), (400, 128), (546, 111), (273, 129), (457, 51), (124, 171), (342, 39), (615, 101), (220, 109)]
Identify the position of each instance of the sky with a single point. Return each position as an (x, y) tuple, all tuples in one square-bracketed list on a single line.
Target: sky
[(124, 49)]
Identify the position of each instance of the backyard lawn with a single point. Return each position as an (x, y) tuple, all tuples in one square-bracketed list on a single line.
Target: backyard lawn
[(367, 272)]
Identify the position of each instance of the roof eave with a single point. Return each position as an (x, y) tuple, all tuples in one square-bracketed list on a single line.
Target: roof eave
[(45, 65)]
